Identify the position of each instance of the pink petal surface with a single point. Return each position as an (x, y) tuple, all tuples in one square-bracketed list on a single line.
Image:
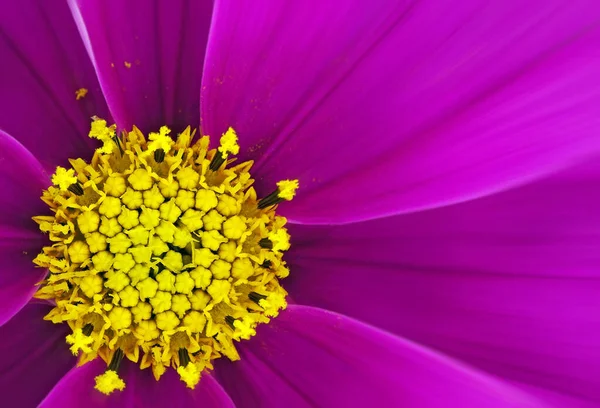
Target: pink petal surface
[(389, 107), (34, 357), (22, 181), (509, 283), (44, 63), (76, 389), (309, 357), (148, 56)]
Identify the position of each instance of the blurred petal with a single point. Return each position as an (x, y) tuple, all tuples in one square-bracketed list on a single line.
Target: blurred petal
[(43, 64), (509, 283), (311, 357), (34, 357), (21, 184), (76, 389), (396, 106), (149, 56)]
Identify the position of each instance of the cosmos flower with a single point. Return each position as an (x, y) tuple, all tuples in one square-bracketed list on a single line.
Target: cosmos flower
[(444, 239)]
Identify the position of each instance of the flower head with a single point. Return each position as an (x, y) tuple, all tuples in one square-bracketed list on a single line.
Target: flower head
[(441, 251)]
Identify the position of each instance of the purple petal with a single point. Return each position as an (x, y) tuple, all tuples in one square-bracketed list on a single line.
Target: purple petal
[(43, 64), (76, 389), (311, 357), (22, 182), (398, 106), (148, 56), (509, 283), (34, 357)]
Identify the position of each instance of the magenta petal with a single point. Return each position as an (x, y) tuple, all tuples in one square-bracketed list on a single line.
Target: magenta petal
[(509, 283), (311, 357), (21, 184), (34, 357), (43, 64), (148, 56), (390, 107), (76, 389)]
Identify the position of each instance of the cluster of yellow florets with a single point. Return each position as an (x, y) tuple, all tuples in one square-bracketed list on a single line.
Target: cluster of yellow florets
[(161, 253)]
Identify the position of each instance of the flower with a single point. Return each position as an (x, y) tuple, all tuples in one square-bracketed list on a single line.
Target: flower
[(444, 237)]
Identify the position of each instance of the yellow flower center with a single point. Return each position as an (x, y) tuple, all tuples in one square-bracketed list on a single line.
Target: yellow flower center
[(161, 252)]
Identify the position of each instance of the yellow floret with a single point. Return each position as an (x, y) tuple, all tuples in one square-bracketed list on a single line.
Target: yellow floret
[(141, 311), (166, 281), (195, 321), (234, 227), (147, 330), (202, 277), (110, 227), (161, 301), (147, 288), (149, 218), (120, 318), (129, 297), (219, 290), (213, 220), (153, 198), (180, 304), (115, 185), (128, 218), (132, 199), (169, 211), (96, 241), (184, 283), (79, 252), (103, 261), (220, 269), (168, 188), (123, 262), (206, 200), (140, 180), (91, 285), (88, 221), (188, 178), (192, 219), (185, 199), (110, 207), (167, 320)]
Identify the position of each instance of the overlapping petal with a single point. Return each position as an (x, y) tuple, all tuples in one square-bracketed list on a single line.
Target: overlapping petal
[(34, 356), (311, 357), (76, 389), (509, 283), (22, 181), (148, 56), (44, 63), (388, 107)]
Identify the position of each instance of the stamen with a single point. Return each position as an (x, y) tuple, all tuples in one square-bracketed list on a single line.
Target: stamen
[(230, 320), (265, 243), (256, 297), (286, 190), (110, 381), (76, 189), (159, 155), (184, 357), (88, 329), (115, 362)]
